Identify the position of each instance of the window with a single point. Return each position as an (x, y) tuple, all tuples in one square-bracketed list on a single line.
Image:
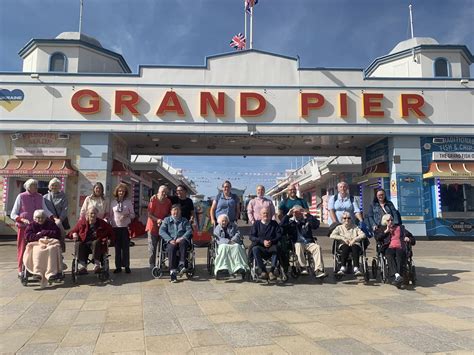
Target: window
[(456, 197), (58, 63), (441, 67)]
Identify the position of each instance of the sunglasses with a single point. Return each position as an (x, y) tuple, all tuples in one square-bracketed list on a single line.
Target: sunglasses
[(346, 218)]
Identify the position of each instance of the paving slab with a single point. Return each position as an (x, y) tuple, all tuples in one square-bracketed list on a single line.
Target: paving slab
[(136, 314)]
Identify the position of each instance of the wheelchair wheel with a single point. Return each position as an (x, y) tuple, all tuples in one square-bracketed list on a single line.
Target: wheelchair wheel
[(104, 275), (366, 271), (294, 272), (157, 272), (412, 275), (375, 268), (74, 271), (210, 261), (24, 278)]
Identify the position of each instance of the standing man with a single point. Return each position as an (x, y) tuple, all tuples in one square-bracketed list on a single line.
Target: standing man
[(291, 201), (256, 204), (187, 205), (342, 202)]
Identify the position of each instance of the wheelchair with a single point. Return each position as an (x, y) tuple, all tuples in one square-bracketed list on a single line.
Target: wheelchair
[(363, 262), (161, 260), (103, 275), (255, 272), (294, 266), (380, 266), (211, 260)]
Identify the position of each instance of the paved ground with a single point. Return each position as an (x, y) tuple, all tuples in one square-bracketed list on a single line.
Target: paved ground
[(136, 314)]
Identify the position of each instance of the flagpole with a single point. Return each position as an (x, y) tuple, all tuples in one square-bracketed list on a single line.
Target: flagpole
[(251, 27), (245, 28), (411, 20), (80, 16)]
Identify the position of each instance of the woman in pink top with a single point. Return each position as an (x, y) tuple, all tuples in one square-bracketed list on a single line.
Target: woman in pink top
[(121, 215), (393, 239), (158, 208), (25, 205)]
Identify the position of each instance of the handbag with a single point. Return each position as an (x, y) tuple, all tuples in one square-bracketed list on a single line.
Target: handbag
[(65, 223)]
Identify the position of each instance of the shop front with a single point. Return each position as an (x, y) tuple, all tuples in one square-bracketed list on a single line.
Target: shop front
[(448, 185)]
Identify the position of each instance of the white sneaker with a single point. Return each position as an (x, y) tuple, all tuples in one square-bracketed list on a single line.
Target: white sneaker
[(357, 272), (304, 271), (342, 270)]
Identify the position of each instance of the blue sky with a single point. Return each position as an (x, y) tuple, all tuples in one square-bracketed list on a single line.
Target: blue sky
[(323, 33)]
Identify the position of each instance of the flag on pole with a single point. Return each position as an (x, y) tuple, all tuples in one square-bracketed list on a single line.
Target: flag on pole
[(238, 42), (249, 4)]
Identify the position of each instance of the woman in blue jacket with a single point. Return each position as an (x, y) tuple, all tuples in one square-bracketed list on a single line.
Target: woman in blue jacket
[(380, 207)]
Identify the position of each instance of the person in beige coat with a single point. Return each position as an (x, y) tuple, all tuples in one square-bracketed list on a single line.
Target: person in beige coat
[(350, 237)]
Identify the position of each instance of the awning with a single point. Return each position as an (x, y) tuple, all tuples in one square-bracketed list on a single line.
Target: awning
[(379, 170), (37, 167), (121, 169), (450, 170)]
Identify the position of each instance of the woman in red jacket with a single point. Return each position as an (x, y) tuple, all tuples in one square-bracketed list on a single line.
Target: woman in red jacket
[(92, 234)]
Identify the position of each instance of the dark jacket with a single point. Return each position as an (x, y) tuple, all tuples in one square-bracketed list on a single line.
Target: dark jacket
[(376, 212), (306, 226), (35, 231), (384, 238), (261, 232)]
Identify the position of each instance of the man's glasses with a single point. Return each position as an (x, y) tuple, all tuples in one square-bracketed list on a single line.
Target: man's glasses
[(346, 218)]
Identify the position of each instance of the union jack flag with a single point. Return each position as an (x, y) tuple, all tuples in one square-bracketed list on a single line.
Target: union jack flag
[(238, 42), (249, 4)]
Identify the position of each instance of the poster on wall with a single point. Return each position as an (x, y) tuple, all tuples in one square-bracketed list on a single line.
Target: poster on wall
[(410, 196)]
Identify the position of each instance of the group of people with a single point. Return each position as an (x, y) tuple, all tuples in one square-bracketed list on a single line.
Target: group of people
[(42, 220)]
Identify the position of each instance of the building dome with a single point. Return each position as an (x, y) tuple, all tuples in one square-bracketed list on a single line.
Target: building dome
[(412, 43), (79, 36)]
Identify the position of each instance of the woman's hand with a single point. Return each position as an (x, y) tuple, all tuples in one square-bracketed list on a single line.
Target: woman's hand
[(25, 221), (406, 239)]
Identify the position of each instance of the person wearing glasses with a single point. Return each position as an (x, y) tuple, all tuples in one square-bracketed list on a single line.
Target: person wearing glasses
[(187, 205), (393, 239), (225, 203), (342, 202), (291, 201), (121, 215), (349, 238)]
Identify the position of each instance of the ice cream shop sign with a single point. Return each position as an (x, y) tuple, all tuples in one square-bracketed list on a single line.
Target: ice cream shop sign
[(250, 104)]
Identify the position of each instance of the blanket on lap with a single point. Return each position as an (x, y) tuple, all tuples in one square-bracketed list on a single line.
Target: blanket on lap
[(43, 258)]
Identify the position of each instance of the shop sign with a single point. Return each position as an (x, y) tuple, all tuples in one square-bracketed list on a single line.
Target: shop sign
[(462, 227), (456, 156), (250, 104), (40, 151), (376, 153)]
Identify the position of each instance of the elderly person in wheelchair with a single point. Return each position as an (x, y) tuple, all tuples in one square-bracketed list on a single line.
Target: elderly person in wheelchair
[(299, 225), (91, 235), (177, 233), (349, 238), (393, 240), (265, 236), (42, 255), (230, 251)]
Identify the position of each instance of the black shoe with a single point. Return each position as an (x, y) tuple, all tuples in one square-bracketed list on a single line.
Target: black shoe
[(127, 270), (118, 270)]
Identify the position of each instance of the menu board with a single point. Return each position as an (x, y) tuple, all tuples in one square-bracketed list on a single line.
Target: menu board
[(410, 194)]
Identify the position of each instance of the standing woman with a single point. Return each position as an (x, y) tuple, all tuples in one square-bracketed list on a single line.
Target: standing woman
[(121, 215), (225, 203), (158, 208), (57, 204), (25, 205), (96, 200), (380, 207)]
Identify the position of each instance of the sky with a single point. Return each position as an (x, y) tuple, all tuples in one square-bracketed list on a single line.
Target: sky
[(322, 33)]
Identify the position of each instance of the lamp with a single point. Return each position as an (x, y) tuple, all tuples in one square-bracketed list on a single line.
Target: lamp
[(34, 76)]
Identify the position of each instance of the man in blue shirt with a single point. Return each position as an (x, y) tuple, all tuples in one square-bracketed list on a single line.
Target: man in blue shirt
[(343, 202), (291, 201)]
